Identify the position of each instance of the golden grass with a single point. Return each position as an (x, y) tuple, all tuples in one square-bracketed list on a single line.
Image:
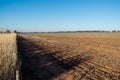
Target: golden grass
[(7, 56)]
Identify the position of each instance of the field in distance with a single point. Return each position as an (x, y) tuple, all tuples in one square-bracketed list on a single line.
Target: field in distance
[(94, 56), (107, 38)]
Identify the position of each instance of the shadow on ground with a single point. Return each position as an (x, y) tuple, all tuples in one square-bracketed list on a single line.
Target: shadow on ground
[(37, 64)]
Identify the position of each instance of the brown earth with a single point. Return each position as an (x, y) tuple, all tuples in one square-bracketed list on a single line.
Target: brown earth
[(53, 58)]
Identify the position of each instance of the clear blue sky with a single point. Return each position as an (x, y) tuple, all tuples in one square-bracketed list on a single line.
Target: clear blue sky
[(59, 15)]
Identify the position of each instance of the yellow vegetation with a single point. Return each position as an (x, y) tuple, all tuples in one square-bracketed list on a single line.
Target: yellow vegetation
[(7, 56)]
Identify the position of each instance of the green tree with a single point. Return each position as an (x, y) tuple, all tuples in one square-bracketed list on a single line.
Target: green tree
[(114, 31), (8, 31), (15, 31)]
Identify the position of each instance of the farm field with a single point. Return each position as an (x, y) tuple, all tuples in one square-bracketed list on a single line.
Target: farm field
[(70, 56)]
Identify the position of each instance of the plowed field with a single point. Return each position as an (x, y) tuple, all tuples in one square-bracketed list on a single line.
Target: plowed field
[(70, 56)]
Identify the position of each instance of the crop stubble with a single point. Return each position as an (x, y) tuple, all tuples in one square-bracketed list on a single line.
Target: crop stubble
[(91, 56)]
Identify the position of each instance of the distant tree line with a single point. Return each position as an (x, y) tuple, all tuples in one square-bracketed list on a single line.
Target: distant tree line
[(82, 31), (116, 31), (7, 31), (15, 31)]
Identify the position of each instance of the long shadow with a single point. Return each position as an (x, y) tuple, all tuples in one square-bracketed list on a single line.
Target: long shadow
[(37, 64)]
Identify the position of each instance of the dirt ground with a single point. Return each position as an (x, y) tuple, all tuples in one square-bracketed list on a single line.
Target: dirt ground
[(46, 58)]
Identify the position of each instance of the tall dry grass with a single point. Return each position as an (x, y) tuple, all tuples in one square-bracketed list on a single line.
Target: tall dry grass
[(8, 51)]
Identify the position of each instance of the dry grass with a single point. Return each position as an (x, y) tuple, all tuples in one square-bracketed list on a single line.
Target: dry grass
[(7, 56)]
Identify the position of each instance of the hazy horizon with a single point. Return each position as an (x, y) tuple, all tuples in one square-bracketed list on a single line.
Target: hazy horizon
[(59, 15)]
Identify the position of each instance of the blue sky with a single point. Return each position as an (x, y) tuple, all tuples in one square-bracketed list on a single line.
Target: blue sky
[(59, 15)]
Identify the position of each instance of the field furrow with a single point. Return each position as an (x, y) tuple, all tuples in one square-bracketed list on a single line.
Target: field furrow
[(68, 59)]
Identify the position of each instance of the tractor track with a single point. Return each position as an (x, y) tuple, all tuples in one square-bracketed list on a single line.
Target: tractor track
[(83, 66)]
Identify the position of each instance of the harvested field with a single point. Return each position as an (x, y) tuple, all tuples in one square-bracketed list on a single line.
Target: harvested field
[(70, 56)]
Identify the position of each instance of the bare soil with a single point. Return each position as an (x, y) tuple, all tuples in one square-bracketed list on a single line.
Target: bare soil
[(57, 59)]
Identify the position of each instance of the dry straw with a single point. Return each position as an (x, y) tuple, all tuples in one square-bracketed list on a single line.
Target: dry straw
[(7, 56)]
